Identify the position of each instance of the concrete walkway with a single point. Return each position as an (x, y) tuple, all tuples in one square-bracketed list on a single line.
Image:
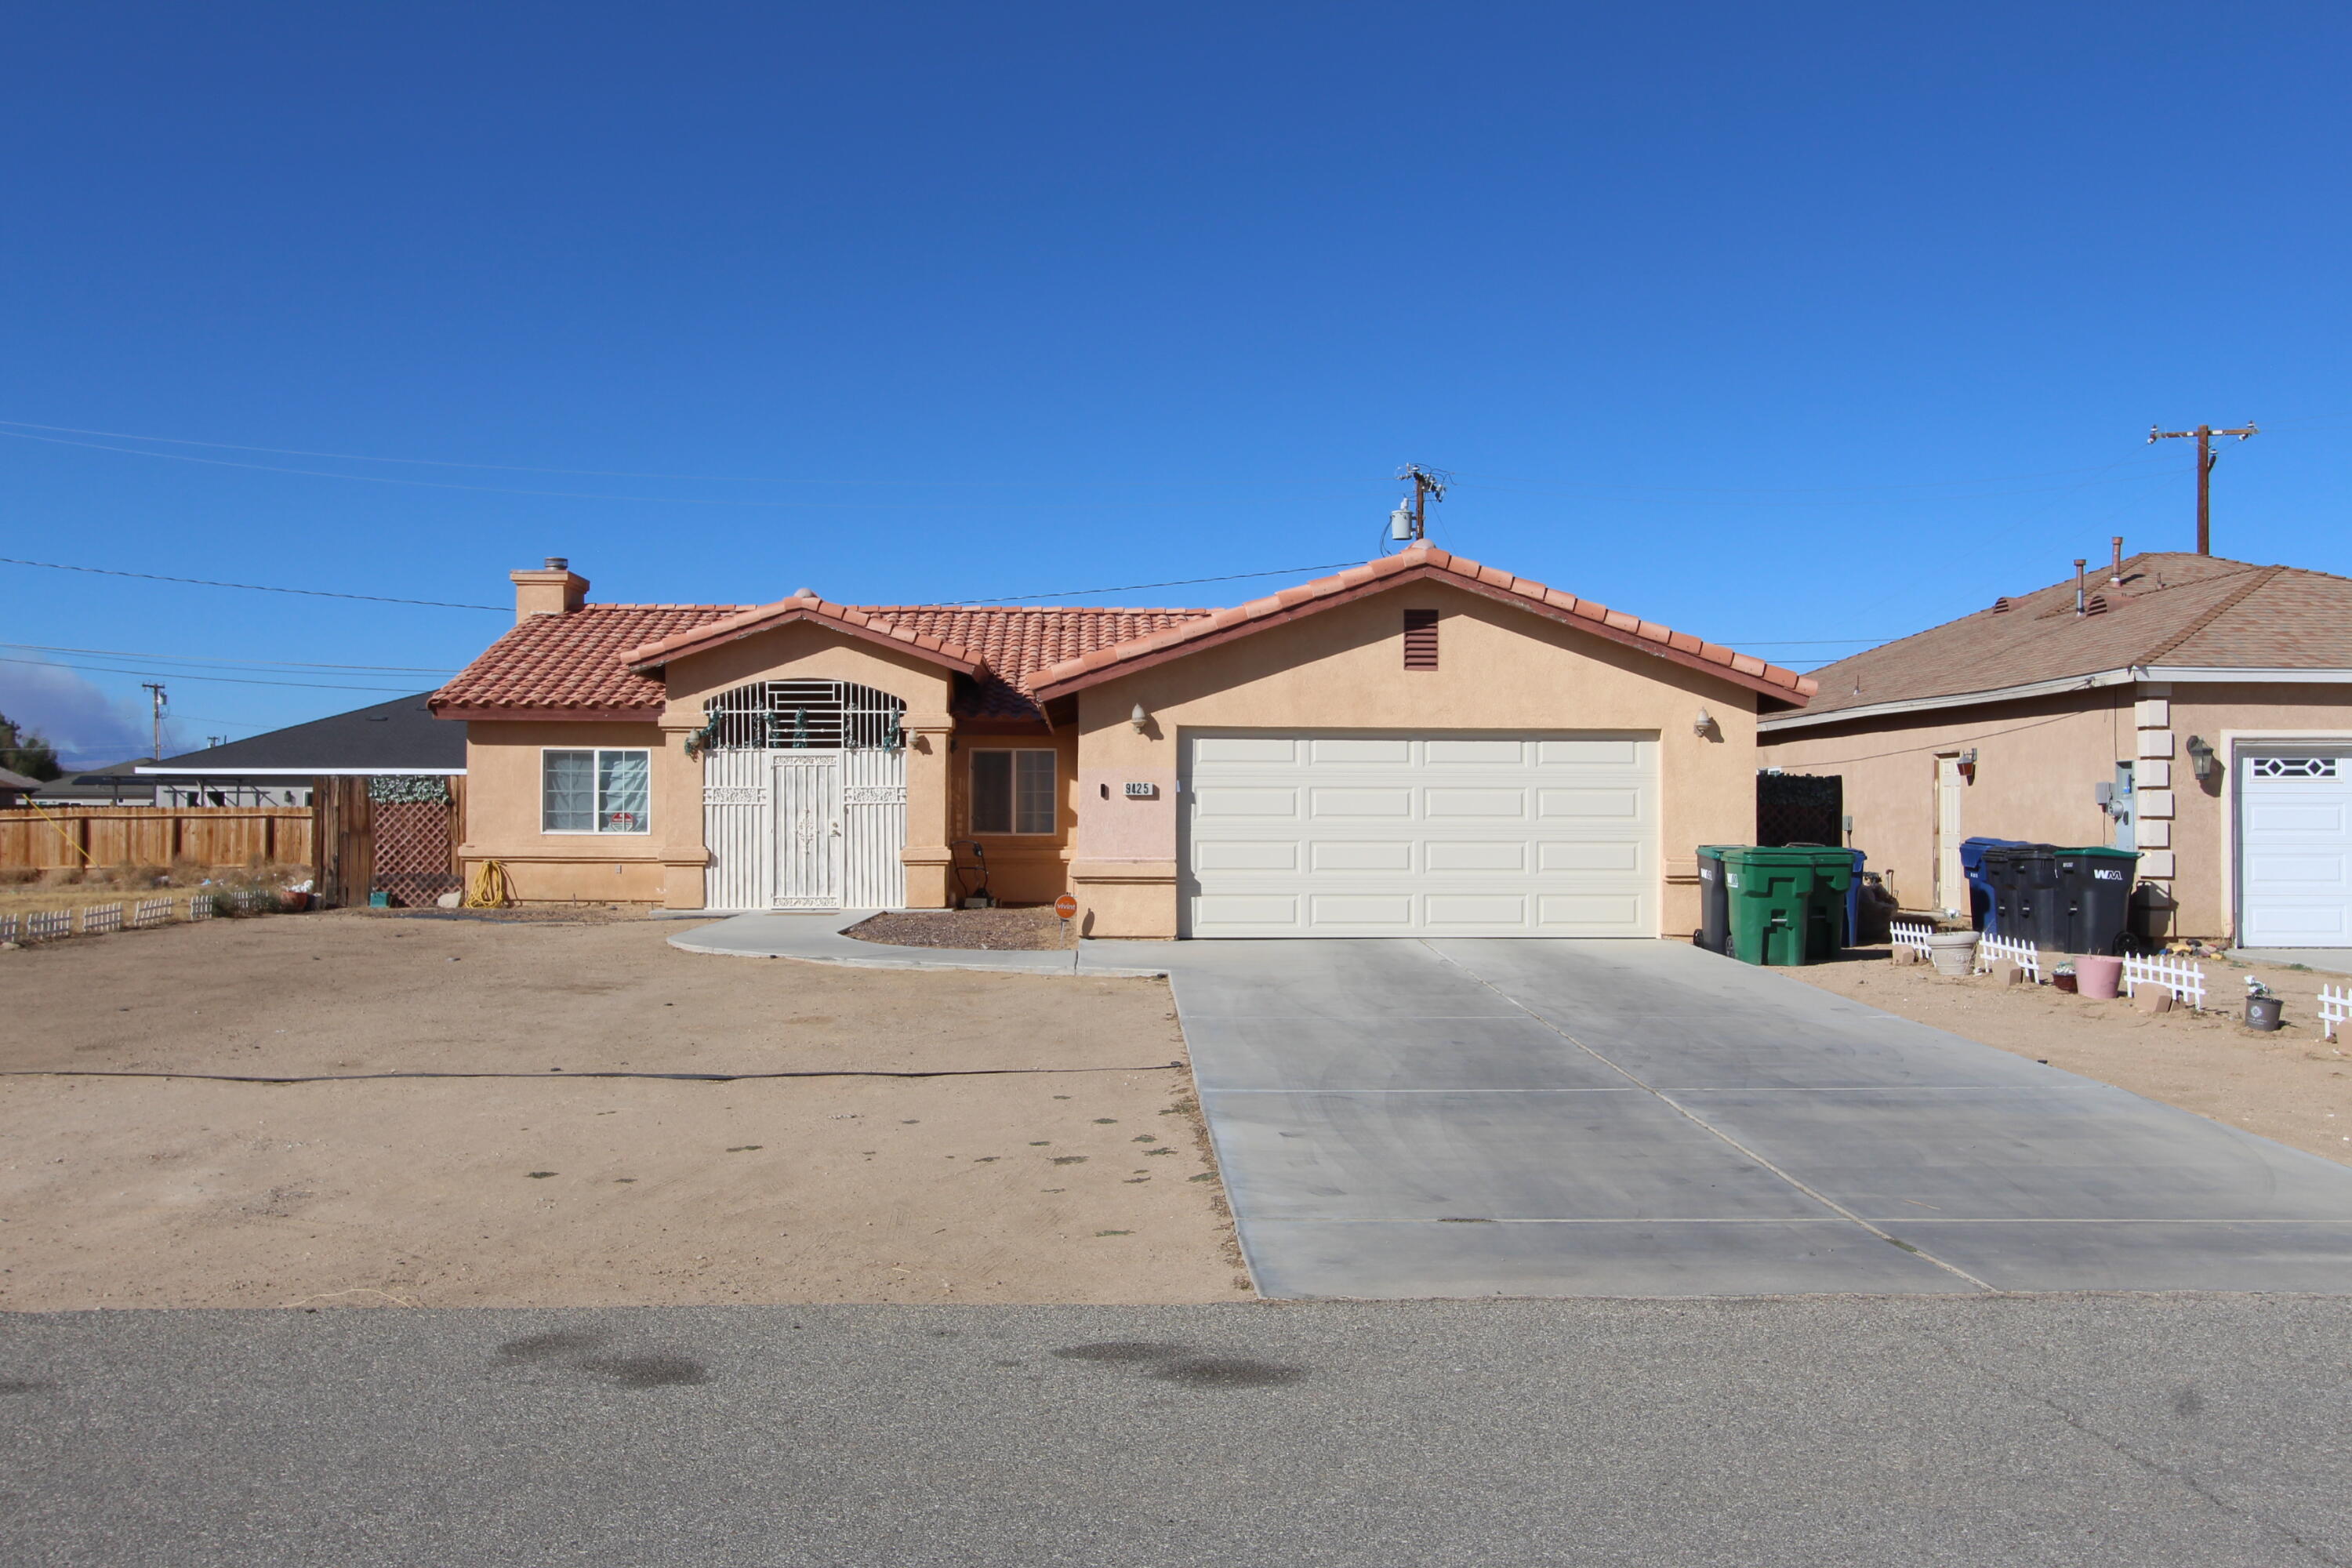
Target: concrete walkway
[(2334, 959), (817, 939), (1556, 1117)]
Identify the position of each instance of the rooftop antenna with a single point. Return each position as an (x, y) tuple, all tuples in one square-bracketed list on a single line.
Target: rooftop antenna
[(2206, 459), (1428, 484)]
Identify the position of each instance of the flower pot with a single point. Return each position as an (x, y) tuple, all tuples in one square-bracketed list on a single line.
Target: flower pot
[(2062, 981), (1953, 951), (2098, 978), (2264, 1012)]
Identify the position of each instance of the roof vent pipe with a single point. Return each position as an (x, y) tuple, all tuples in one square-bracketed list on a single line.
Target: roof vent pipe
[(2116, 573), (557, 563), (2080, 562)]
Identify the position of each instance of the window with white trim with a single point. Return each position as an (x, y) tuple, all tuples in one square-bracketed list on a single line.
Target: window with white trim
[(1012, 791), (596, 791)]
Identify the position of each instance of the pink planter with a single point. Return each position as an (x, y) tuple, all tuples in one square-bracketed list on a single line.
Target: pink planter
[(2099, 978)]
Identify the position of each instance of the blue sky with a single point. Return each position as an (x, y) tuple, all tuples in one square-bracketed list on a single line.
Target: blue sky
[(1773, 323)]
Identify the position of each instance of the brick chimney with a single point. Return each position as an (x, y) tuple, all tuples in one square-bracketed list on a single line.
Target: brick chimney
[(553, 590)]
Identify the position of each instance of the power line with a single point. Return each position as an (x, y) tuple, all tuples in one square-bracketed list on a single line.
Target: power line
[(619, 473), (1944, 745), (794, 504), (252, 587), (217, 680), (238, 663)]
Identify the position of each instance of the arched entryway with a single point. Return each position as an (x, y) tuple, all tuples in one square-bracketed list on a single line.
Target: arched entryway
[(804, 796)]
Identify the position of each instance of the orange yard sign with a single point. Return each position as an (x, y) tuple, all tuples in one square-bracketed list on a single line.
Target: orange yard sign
[(1066, 906)]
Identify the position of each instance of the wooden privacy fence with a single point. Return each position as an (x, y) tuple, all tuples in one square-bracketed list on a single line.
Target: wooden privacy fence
[(60, 838)]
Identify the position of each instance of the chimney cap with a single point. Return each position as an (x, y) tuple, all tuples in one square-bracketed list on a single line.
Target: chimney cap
[(558, 563)]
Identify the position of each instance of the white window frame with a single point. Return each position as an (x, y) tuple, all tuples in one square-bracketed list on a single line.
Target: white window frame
[(1013, 792), (596, 768)]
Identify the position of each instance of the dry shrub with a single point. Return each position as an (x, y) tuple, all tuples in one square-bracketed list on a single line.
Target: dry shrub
[(19, 876)]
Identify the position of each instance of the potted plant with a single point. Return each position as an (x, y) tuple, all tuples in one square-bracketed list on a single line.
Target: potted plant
[(1953, 951), (2062, 977)]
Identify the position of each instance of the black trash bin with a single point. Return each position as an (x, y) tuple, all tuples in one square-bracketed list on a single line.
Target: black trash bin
[(2097, 885), (1714, 902), (1982, 913), (2030, 903)]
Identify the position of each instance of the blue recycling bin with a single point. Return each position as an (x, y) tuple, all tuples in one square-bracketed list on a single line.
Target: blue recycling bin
[(1853, 900), (1984, 908)]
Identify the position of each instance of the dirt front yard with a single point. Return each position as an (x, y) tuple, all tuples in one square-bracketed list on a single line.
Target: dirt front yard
[(1059, 1158), (2292, 1084)]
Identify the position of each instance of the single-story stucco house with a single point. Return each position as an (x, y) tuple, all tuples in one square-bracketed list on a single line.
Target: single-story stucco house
[(2194, 709), (1417, 745)]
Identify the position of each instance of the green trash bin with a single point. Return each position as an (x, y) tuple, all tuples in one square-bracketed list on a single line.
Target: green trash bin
[(1788, 906)]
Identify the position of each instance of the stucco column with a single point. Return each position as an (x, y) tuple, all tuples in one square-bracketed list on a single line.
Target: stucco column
[(677, 818), (927, 856), (1124, 870)]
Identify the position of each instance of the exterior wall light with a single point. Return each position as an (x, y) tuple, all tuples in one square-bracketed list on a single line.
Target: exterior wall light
[(1703, 725), (1140, 720), (2200, 757), (1969, 764)]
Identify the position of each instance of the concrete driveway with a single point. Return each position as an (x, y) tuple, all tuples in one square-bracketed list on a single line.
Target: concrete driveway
[(1547, 1117)]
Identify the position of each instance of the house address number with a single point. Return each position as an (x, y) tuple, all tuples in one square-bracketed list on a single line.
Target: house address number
[(1141, 791)]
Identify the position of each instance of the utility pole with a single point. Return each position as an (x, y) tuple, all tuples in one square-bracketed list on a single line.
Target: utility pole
[(156, 689), (2206, 459), (1428, 484)]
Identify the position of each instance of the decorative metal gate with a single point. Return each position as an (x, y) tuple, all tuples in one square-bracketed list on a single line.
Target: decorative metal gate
[(804, 796)]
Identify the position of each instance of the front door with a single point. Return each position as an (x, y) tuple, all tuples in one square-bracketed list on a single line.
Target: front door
[(810, 845)]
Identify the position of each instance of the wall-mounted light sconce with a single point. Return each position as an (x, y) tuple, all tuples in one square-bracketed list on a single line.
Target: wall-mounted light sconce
[(2201, 756), (1703, 725), (1969, 764), (1140, 718)]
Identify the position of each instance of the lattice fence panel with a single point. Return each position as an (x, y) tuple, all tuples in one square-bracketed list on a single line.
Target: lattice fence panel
[(413, 850)]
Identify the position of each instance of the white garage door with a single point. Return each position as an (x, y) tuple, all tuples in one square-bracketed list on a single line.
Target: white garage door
[(2294, 849), (1335, 834)]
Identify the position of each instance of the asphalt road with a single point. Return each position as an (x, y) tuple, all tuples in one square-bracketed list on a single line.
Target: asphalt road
[(1815, 1432)]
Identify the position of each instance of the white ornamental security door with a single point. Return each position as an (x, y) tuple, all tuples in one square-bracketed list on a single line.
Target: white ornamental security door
[(810, 833), (739, 828), (874, 800)]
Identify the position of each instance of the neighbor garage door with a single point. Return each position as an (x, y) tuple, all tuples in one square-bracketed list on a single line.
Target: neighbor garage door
[(2294, 848), (1332, 834)]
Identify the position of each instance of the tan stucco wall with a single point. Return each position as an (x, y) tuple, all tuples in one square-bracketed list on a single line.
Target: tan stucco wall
[(2037, 763), (1499, 668), (503, 816)]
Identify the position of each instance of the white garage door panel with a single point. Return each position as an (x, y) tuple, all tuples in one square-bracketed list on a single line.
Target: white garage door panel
[(2294, 857), (1443, 834)]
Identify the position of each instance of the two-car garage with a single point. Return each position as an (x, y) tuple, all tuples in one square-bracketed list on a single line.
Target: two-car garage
[(1435, 833)]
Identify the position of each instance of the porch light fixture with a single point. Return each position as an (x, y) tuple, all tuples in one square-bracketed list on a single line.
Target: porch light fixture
[(1703, 725), (1969, 764), (2201, 756), (1138, 719)]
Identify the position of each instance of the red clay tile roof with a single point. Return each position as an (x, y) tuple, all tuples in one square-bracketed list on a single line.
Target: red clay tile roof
[(549, 666), (2200, 611), (1422, 563), (605, 658), (589, 661)]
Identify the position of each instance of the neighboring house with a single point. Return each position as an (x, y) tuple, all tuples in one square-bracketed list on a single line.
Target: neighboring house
[(118, 785), (1417, 745), (16, 786), (2194, 709), (401, 737)]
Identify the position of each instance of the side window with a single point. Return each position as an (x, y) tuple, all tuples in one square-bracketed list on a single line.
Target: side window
[(1012, 791), (596, 791)]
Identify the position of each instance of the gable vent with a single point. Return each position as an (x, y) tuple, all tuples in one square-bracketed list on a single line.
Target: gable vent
[(2096, 605), (1421, 640), (2000, 605)]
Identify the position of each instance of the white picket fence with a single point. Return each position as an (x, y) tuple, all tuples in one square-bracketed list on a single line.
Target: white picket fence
[(2184, 979), (98, 920), (2335, 1007), (1910, 933), (1991, 950)]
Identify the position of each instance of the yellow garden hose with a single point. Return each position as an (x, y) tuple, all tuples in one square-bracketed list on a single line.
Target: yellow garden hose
[(491, 888)]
